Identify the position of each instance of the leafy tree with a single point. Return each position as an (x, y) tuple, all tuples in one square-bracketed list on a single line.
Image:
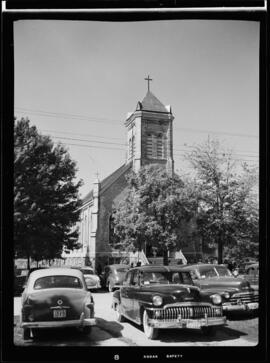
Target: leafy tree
[(227, 212), (45, 195), (152, 211)]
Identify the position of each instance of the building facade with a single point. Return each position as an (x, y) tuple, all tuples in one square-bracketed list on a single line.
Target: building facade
[(149, 131)]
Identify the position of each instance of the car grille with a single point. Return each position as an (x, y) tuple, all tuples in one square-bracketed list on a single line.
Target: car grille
[(186, 312), (248, 297)]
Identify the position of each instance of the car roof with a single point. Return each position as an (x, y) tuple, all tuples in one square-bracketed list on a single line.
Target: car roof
[(198, 265), (118, 265), (163, 268), (55, 271)]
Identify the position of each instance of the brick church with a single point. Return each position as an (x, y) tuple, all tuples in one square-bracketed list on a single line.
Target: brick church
[(149, 131)]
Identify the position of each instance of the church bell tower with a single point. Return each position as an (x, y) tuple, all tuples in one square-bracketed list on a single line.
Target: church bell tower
[(150, 133)]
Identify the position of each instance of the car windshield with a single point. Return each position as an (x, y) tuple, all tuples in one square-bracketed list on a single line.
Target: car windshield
[(214, 271), (50, 282), (164, 277), (122, 270), (223, 271), (87, 272)]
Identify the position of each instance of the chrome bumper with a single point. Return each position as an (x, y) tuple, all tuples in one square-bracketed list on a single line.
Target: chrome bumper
[(80, 323), (58, 324), (187, 323), (241, 307)]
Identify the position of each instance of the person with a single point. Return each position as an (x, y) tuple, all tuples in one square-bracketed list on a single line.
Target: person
[(99, 269), (131, 265)]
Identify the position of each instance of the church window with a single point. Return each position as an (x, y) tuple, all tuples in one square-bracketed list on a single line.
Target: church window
[(131, 147), (155, 146), (160, 152)]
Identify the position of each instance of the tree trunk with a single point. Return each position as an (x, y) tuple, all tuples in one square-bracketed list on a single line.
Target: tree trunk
[(165, 256), (220, 249)]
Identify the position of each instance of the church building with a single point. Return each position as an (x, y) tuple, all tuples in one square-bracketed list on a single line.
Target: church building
[(149, 132)]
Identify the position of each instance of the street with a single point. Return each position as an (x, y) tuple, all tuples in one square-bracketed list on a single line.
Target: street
[(240, 331)]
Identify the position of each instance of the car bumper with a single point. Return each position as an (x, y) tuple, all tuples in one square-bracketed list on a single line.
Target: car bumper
[(60, 324), (240, 307), (187, 323)]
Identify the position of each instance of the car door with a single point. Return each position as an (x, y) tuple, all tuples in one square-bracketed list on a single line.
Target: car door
[(134, 296), (124, 295)]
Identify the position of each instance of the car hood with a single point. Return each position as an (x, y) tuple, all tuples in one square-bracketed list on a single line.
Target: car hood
[(233, 283), (177, 292)]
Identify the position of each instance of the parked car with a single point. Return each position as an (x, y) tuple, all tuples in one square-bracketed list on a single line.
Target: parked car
[(236, 291), (92, 280), (113, 276), (56, 298), (164, 297)]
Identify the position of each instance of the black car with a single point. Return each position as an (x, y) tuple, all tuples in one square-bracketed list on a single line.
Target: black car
[(237, 294), (164, 297)]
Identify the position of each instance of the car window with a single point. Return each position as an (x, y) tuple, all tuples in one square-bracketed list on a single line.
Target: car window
[(122, 269), (135, 278), (127, 279), (193, 274), (50, 282), (87, 272), (208, 272), (155, 277), (181, 278), (223, 271)]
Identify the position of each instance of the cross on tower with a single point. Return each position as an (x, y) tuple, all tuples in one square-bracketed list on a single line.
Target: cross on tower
[(148, 79)]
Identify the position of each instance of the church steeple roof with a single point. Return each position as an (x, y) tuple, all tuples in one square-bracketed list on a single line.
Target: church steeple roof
[(151, 103)]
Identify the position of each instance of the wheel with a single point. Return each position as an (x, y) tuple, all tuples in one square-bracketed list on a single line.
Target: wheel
[(86, 330), (118, 316), (26, 334), (150, 332), (208, 330)]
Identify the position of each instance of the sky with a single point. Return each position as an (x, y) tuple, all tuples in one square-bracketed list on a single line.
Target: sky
[(77, 80)]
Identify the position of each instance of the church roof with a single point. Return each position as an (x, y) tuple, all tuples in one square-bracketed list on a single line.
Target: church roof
[(105, 183), (151, 103), (108, 181)]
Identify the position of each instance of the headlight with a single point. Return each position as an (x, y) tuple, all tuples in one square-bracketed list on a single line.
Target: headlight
[(226, 295), (216, 299), (157, 300)]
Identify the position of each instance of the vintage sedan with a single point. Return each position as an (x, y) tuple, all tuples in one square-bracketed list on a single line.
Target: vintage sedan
[(56, 298), (92, 280), (164, 297), (113, 276), (236, 292)]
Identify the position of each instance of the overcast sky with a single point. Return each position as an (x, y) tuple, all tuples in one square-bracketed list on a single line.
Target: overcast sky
[(77, 80)]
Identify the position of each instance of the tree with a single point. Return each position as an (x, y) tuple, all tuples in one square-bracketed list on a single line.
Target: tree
[(226, 210), (45, 195), (154, 207)]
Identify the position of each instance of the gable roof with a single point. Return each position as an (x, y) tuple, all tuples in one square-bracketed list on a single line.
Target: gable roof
[(151, 103), (108, 181)]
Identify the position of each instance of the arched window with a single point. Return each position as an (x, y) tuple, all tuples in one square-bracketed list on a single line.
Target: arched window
[(131, 147), (111, 230)]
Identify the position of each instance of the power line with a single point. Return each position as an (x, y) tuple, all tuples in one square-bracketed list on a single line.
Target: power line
[(85, 140), (78, 134), (106, 120), (121, 144)]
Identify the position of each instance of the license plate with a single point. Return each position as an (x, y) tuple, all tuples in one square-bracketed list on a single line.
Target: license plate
[(59, 313), (253, 306)]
